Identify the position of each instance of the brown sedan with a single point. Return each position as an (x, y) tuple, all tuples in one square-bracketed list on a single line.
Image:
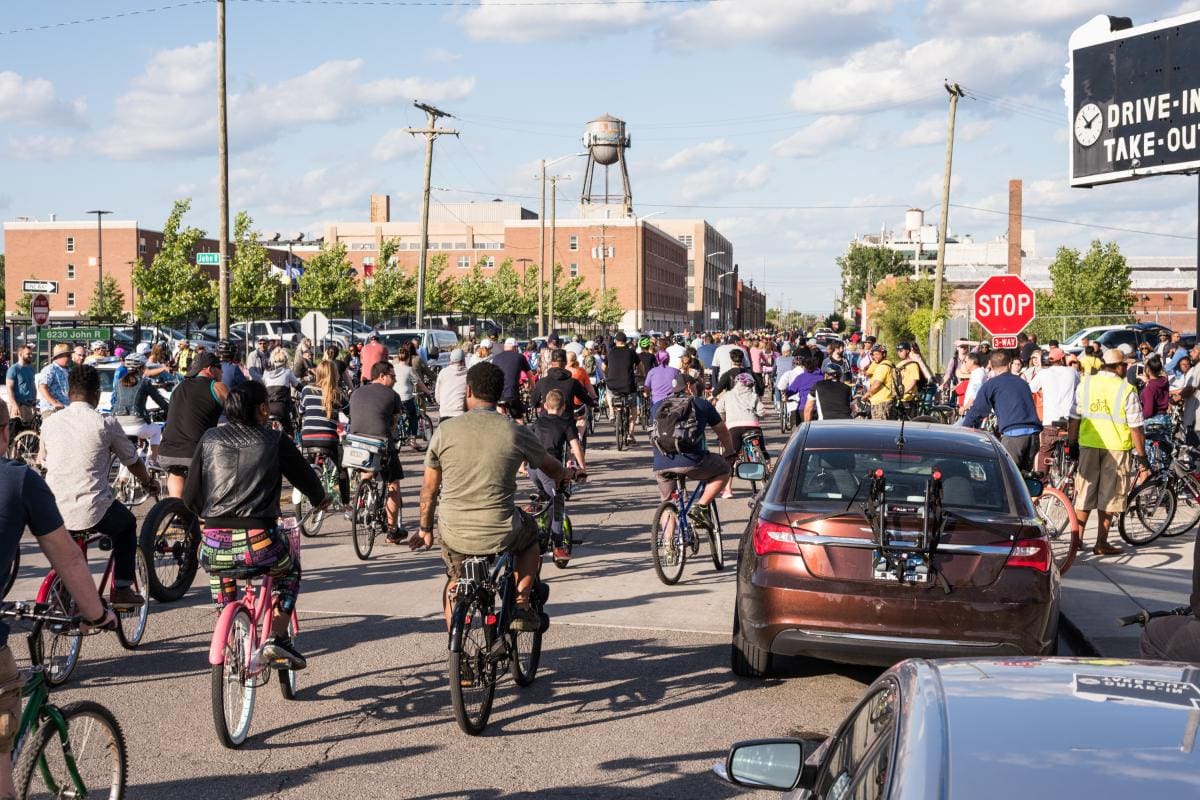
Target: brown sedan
[(874, 543)]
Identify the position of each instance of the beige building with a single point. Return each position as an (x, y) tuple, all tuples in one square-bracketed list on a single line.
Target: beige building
[(709, 256)]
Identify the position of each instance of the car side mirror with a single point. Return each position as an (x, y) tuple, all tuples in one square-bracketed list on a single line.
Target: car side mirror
[(1035, 487), (752, 471), (771, 764)]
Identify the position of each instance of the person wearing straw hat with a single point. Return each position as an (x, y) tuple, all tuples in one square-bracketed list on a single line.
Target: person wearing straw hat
[(52, 381)]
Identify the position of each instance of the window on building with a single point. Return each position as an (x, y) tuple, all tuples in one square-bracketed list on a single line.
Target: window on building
[(489, 262), (432, 246), (574, 268), (464, 262), (142, 246), (573, 243), (70, 299), (70, 244), (460, 245), (691, 267), (70, 272), (686, 240)]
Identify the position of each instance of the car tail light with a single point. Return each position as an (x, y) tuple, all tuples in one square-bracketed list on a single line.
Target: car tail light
[(771, 537), (1031, 554)]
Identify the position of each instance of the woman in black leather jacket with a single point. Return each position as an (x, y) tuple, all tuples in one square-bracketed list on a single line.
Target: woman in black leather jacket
[(233, 485)]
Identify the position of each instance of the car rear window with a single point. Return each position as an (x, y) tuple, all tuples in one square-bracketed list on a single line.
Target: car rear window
[(835, 475)]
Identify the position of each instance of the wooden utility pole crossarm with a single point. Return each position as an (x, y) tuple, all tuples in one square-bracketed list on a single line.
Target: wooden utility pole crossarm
[(430, 132)]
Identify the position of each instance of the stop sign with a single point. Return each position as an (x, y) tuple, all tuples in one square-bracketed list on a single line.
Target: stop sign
[(39, 309), (1004, 305)]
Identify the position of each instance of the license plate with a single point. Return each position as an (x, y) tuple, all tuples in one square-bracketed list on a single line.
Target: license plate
[(916, 569)]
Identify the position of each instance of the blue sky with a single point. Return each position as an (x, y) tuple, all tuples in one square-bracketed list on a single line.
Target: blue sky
[(779, 103)]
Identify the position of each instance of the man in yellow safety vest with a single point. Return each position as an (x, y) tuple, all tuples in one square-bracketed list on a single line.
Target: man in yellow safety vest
[(1106, 438)]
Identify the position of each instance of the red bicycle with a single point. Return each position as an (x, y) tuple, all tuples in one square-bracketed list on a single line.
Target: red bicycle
[(62, 654)]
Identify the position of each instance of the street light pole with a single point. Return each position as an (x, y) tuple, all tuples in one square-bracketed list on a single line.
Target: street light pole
[(100, 254), (721, 297)]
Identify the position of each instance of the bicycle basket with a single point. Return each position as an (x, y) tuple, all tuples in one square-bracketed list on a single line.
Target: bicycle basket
[(363, 452)]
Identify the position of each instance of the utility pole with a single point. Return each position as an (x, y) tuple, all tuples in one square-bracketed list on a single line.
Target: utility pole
[(554, 179), (100, 254), (430, 132), (223, 189), (542, 256), (603, 237), (935, 340)]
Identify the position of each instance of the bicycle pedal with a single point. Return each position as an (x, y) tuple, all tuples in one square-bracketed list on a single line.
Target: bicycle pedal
[(104, 545)]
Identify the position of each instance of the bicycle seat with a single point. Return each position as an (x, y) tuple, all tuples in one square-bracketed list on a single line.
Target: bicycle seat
[(240, 573), (673, 476)]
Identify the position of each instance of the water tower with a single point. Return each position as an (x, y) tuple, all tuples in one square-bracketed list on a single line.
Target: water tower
[(606, 143)]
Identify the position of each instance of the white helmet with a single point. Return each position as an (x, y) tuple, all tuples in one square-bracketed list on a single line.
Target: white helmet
[(589, 345), (135, 361), (143, 348)]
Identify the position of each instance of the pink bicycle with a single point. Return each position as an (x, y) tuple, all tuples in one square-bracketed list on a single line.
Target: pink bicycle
[(62, 654), (238, 665)]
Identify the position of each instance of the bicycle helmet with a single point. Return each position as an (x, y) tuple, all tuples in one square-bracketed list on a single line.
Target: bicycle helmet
[(98, 345), (224, 348), (644, 342), (135, 361), (144, 348), (589, 345)]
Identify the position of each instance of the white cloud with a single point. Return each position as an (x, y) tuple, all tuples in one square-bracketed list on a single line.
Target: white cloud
[(890, 74), (822, 25), (321, 191), (169, 108), (701, 154), (719, 181), (990, 16), (932, 130), (42, 148), (500, 20), (395, 144), (929, 191), (34, 101), (440, 55), (818, 137), (753, 178)]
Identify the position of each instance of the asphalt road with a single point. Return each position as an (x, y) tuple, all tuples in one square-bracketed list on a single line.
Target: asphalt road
[(634, 697)]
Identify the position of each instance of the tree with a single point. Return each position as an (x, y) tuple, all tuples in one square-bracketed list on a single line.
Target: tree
[(113, 309), (439, 291), (22, 306), (571, 300), (609, 310), (327, 283), (864, 266), (509, 290), (1094, 289), (904, 310), (473, 292), (389, 290), (172, 287), (252, 284)]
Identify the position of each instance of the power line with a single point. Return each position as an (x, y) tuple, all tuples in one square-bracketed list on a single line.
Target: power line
[(104, 17), (513, 196), (1080, 224)]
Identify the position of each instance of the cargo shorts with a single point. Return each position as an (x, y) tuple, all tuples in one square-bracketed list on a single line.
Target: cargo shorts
[(524, 536), (10, 699)]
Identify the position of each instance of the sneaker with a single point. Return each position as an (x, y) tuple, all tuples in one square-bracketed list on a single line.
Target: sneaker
[(124, 598), (528, 619), (397, 536), (701, 515), (281, 653), (562, 554)]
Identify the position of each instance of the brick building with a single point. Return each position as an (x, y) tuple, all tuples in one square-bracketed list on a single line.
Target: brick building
[(67, 251), (751, 307), (710, 256)]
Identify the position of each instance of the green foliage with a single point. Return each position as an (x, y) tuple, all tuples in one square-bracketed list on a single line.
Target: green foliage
[(474, 292), (388, 290), (1094, 289), (439, 290), (863, 266), (252, 284), (326, 283), (172, 287), (113, 309), (905, 310), (571, 300), (609, 310), (22, 305), (512, 295)]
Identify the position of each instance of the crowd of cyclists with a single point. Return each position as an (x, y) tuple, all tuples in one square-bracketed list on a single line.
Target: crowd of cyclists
[(228, 429)]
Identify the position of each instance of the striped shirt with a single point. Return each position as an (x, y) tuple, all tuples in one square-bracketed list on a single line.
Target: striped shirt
[(317, 429)]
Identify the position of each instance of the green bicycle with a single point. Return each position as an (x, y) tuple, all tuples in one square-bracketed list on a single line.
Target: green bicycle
[(77, 750)]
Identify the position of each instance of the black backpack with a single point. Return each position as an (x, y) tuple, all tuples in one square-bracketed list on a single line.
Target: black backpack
[(677, 427)]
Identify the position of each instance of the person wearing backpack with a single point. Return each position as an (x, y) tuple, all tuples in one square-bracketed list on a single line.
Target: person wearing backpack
[(680, 447)]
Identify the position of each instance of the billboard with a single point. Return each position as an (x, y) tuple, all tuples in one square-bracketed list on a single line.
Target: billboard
[(1134, 99)]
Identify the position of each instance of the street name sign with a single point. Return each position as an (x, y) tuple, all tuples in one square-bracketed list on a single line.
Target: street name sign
[(39, 309), (65, 334), (208, 259), (1004, 305), (39, 287), (1133, 94)]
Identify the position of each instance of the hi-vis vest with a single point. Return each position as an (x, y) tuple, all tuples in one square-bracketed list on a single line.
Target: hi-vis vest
[(1102, 422)]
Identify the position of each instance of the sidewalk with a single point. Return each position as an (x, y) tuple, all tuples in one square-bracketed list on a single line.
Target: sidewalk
[(1098, 589)]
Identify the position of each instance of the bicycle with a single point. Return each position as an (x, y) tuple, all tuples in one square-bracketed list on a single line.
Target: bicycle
[(673, 532), (371, 456), (621, 418), (643, 412), (326, 468), (926, 408), (64, 647), (544, 509), (76, 750), (1062, 526), (1149, 509), (170, 543), (752, 450), (127, 488), (26, 442), (235, 653), (785, 417), (482, 644)]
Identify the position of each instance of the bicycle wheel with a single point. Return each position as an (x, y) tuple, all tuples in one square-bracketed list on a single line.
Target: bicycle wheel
[(1187, 508), (289, 679), (91, 743), (1148, 512), (716, 544), (232, 689), (525, 652), (1062, 526), (62, 654), (424, 427), (568, 542), (666, 544), (362, 527), (132, 623), (472, 673), (170, 541), (622, 427), (24, 447), (311, 526)]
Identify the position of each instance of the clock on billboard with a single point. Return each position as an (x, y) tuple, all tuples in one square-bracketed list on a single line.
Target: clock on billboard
[(1089, 124)]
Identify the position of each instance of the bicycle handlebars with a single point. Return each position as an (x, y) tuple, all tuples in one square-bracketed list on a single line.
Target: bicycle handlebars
[(1144, 616)]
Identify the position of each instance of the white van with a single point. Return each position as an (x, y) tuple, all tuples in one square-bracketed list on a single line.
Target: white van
[(436, 342)]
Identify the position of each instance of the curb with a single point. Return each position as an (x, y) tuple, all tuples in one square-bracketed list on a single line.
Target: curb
[(1076, 638)]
